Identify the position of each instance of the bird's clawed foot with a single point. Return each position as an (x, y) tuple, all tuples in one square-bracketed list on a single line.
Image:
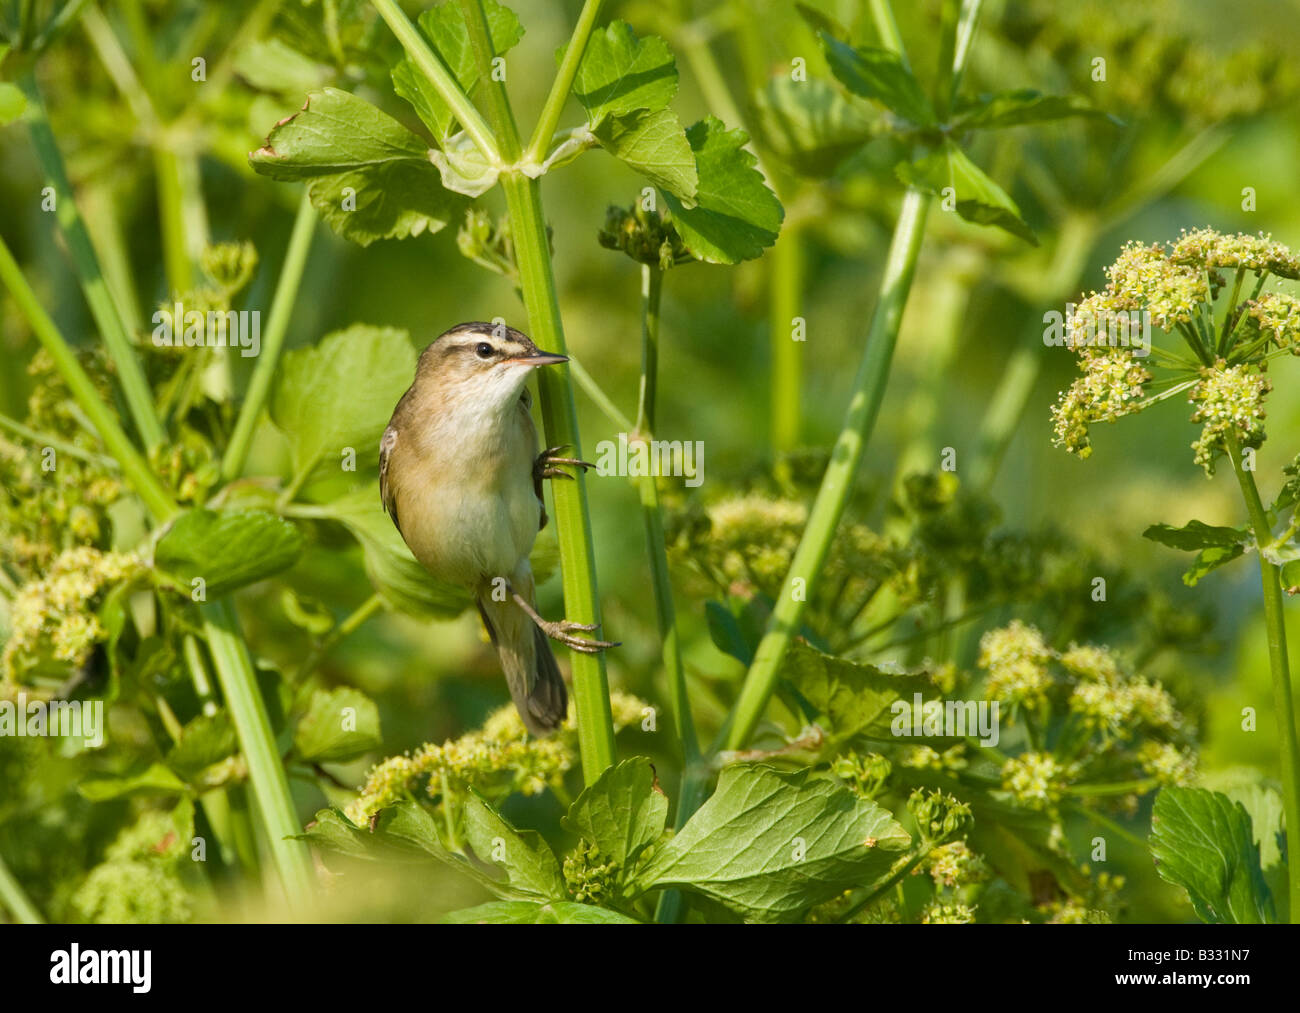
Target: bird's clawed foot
[(563, 631), (548, 463)]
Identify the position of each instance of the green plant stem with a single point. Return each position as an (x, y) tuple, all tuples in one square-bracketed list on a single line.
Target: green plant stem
[(346, 628), (559, 414), (563, 83), (432, 67), (134, 468), (14, 897), (277, 326), (135, 387), (266, 773), (177, 263), (786, 280), (1279, 665), (62, 446), (598, 396), (671, 905), (837, 483)]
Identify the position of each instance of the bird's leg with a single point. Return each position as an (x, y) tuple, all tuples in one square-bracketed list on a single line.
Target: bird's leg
[(563, 630), (548, 464)]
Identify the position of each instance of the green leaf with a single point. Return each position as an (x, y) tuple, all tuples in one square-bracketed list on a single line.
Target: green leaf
[(444, 27), (340, 724), (948, 174), (821, 22), (401, 581), (880, 74), (1195, 535), (1203, 842), (12, 102), (208, 739), (1264, 806), (1211, 559), (368, 175), (621, 73), (623, 813), (339, 394), (226, 549), (332, 831), (769, 845), (1019, 107), (725, 631), (527, 859), (273, 65), (810, 125), (157, 778), (852, 696), (655, 145), (522, 912), (735, 215)]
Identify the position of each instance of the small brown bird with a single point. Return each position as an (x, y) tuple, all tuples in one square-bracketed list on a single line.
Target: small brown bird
[(461, 477)]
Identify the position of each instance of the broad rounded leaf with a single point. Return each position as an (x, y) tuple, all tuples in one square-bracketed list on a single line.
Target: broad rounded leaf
[(621, 73), (655, 145), (226, 549), (523, 912), (1202, 841), (340, 393), (735, 215), (769, 845), (368, 175), (529, 864), (810, 125), (340, 724), (853, 696), (623, 813)]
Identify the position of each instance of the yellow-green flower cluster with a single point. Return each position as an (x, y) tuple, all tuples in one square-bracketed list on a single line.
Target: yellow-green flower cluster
[(1035, 780), (1276, 315), (1167, 763), (589, 876), (1112, 386), (139, 879), (754, 538), (950, 761), (1229, 403), (1016, 658), (1148, 278), (499, 759), (52, 618), (947, 913), (1207, 248), (954, 865), (864, 774)]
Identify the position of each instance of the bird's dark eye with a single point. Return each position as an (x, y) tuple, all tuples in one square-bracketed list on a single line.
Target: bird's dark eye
[(483, 350)]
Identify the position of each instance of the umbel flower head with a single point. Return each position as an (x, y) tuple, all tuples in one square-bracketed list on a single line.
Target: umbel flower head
[(1207, 289)]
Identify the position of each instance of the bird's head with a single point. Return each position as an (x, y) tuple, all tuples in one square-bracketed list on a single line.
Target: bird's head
[(481, 364)]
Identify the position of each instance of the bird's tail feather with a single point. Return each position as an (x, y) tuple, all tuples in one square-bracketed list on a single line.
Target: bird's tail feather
[(534, 679)]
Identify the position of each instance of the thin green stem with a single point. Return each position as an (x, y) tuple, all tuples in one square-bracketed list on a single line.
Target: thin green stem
[(135, 387), (277, 326), (864, 405), (266, 773), (14, 897), (549, 119), (785, 295), (344, 629), (62, 446), (598, 396), (559, 416), (1279, 666), (652, 280), (134, 468), (440, 77)]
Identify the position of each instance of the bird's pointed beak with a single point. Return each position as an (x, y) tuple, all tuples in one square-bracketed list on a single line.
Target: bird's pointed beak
[(538, 358)]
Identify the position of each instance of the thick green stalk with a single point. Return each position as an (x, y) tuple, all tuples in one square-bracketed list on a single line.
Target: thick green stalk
[(277, 326), (134, 467), (560, 87), (786, 280), (559, 413), (837, 483), (177, 263), (266, 773), (14, 897), (135, 387), (1279, 666), (440, 77)]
